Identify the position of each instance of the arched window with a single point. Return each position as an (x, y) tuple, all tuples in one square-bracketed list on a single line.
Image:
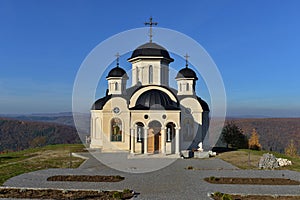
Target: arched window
[(170, 132), (187, 87), (116, 86), (180, 87), (140, 133), (150, 74), (116, 130)]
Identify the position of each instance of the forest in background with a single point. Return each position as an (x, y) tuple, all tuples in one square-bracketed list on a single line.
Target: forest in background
[(274, 133), (17, 135)]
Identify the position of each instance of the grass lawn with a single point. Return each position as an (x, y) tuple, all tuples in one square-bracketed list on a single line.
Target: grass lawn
[(53, 156), (240, 159)]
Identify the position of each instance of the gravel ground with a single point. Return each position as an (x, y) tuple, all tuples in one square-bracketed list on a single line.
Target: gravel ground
[(171, 182)]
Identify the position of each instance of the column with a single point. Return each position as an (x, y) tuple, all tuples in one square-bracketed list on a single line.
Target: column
[(177, 140), (146, 140), (132, 149), (92, 127), (163, 138)]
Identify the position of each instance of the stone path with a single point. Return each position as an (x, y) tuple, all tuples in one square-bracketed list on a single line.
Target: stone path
[(171, 182)]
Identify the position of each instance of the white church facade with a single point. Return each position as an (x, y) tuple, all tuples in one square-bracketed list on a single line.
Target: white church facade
[(150, 117)]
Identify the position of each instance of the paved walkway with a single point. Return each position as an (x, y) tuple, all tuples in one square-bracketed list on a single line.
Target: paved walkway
[(171, 182)]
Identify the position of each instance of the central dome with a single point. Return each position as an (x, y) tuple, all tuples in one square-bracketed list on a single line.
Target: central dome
[(151, 49), (155, 99)]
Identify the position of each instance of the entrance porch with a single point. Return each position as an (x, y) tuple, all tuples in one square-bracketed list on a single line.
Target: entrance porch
[(155, 139)]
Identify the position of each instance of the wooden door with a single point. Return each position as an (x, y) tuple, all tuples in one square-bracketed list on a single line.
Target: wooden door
[(157, 142), (150, 141)]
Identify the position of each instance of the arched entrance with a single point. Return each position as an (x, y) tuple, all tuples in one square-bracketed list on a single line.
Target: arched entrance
[(154, 137)]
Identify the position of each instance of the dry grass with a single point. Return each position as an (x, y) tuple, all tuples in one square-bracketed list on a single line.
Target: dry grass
[(53, 156), (240, 159)]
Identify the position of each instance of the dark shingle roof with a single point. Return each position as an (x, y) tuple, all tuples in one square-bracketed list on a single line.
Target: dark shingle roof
[(117, 72), (98, 105), (155, 99), (151, 49), (187, 73)]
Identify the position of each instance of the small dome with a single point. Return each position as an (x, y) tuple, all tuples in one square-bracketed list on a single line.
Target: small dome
[(151, 49), (117, 72), (187, 73), (155, 99)]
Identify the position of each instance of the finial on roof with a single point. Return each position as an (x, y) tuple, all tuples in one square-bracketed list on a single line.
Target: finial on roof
[(117, 56), (150, 24), (186, 60)]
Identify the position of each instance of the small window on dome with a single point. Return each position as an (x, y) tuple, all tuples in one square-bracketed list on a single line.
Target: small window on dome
[(116, 86), (187, 87)]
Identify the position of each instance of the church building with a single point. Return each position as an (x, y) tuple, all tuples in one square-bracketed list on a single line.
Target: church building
[(149, 117)]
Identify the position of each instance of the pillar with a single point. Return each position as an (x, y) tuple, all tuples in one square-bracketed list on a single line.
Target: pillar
[(146, 140), (132, 149), (177, 140), (163, 138)]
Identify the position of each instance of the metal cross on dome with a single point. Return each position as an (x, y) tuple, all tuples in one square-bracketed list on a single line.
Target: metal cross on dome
[(117, 56), (186, 60), (150, 24)]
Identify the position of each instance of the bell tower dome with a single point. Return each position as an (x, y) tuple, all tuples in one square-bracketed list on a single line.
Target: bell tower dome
[(117, 79), (186, 80)]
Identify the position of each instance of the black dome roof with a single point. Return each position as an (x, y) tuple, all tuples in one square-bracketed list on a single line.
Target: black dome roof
[(98, 105), (187, 73), (155, 99), (117, 72), (151, 49)]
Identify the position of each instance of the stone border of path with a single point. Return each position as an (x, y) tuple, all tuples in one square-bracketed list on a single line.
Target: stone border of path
[(172, 182)]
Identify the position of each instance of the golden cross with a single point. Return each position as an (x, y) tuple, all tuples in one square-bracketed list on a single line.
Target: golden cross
[(150, 24)]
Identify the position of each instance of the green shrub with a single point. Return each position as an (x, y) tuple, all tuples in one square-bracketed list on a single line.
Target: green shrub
[(126, 191), (117, 195), (226, 197), (218, 194)]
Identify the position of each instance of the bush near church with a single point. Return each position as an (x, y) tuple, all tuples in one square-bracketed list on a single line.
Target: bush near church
[(233, 136)]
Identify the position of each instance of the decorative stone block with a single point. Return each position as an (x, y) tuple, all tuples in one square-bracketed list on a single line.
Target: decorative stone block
[(199, 154)]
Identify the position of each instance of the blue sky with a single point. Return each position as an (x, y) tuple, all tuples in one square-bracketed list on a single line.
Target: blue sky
[(255, 45)]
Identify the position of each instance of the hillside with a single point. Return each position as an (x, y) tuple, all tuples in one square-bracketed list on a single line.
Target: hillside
[(52, 156), (275, 133), (19, 134), (59, 118)]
